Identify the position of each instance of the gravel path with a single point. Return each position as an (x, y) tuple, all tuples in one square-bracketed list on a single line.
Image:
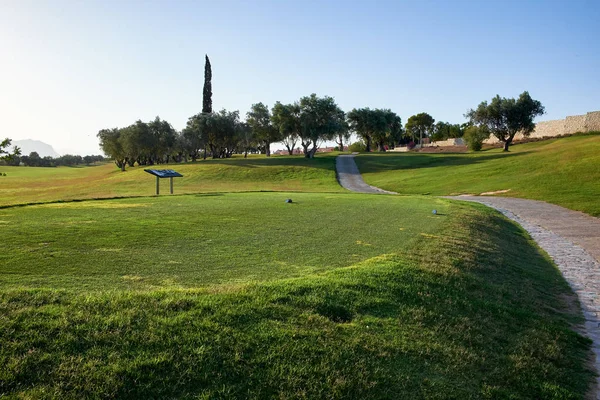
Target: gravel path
[(572, 239), (349, 176)]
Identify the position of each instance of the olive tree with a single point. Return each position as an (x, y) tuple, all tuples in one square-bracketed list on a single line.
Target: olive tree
[(420, 125), (504, 118)]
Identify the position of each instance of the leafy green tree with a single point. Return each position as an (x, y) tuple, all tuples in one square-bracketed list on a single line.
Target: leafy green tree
[(34, 159), (259, 120), (286, 119), (225, 127), (245, 138), (360, 124), (474, 136), (321, 119), (163, 140), (207, 90), (444, 130), (138, 143), (358, 147), (111, 145), (343, 132), (7, 156), (385, 126), (379, 126), (194, 139), (504, 118), (420, 125)]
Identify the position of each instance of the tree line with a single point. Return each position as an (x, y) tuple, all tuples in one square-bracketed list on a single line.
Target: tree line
[(306, 123), (69, 160)]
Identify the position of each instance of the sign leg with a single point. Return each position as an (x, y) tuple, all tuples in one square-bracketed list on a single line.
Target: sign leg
[(157, 186), (171, 185)]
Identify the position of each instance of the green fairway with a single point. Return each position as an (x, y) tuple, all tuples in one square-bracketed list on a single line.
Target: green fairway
[(36, 184), (561, 171), (244, 296)]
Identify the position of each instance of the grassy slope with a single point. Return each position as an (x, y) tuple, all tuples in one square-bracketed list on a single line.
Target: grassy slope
[(459, 305), (561, 171), (31, 185)]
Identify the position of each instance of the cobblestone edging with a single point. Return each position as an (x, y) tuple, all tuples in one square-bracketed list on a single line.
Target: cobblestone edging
[(580, 269)]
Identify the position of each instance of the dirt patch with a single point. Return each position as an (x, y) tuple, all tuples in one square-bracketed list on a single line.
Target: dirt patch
[(494, 192), (443, 149)]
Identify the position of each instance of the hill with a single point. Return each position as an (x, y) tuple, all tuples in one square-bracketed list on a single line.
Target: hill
[(244, 296), (28, 146), (561, 171), (36, 184)]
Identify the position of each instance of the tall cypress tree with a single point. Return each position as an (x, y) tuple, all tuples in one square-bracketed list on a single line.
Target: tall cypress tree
[(207, 93)]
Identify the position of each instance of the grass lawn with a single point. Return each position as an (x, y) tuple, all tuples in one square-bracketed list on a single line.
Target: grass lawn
[(243, 296), (24, 185), (562, 171)]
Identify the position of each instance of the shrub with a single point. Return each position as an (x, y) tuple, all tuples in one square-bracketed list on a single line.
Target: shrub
[(358, 147), (474, 136)]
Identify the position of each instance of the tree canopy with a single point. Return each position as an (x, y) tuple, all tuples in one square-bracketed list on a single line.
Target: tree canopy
[(504, 117), (420, 125), (321, 119), (378, 126), (286, 119), (4, 154), (207, 90), (259, 120), (445, 130)]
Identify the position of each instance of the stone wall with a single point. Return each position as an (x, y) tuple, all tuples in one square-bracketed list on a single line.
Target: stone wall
[(572, 124), (592, 121), (548, 128), (449, 142)]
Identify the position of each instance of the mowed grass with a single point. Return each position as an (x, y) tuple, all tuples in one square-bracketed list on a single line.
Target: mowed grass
[(562, 171), (24, 185), (244, 296)]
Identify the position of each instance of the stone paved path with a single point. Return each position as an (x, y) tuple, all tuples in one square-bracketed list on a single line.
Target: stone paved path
[(349, 176), (572, 239)]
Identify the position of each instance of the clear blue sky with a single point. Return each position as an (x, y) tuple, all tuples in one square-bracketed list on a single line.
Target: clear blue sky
[(71, 68)]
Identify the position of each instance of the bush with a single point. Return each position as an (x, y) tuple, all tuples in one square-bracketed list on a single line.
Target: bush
[(358, 147), (474, 136)]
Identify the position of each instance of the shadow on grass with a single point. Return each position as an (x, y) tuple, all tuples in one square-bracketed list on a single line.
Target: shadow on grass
[(327, 163), (392, 162)]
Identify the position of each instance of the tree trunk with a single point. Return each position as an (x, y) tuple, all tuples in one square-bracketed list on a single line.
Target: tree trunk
[(246, 153), (268, 148), (368, 144), (381, 146), (509, 140), (305, 149)]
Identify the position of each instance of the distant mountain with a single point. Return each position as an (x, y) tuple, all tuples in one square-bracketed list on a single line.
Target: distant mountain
[(27, 146)]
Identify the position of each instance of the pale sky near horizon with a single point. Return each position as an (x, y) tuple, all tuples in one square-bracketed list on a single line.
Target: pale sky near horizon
[(71, 68)]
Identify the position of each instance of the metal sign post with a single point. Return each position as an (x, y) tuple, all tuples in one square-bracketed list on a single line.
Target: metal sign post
[(163, 173)]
